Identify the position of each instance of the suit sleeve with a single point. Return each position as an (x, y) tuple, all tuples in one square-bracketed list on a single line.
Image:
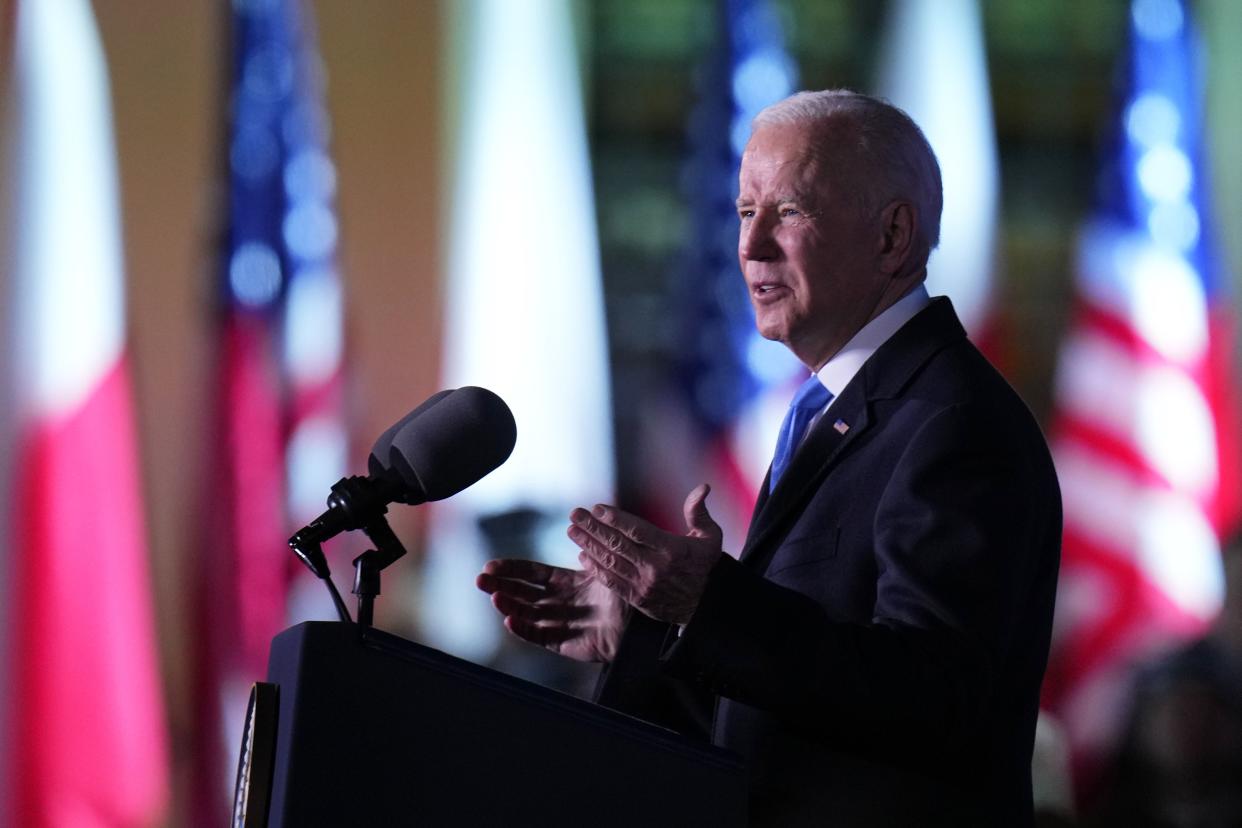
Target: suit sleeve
[(962, 532), (636, 683)]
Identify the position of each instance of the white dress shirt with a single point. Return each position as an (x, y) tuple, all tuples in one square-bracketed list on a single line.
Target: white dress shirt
[(838, 371)]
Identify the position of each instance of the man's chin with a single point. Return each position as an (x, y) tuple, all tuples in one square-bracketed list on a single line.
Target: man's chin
[(773, 331)]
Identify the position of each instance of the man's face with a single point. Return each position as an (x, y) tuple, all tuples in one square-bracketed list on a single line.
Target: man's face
[(809, 259)]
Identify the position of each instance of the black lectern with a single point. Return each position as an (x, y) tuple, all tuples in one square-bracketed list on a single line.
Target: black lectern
[(373, 730)]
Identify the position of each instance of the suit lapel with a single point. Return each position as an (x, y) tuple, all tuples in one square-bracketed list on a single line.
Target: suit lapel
[(814, 459), (883, 376)]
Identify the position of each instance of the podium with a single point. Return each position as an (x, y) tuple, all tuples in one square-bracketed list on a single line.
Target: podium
[(363, 728)]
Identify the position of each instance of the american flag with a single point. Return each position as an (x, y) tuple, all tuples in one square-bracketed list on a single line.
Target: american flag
[(279, 443), (1145, 428), (734, 384)]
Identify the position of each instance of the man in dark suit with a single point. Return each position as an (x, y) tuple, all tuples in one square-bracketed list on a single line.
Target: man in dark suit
[(876, 649)]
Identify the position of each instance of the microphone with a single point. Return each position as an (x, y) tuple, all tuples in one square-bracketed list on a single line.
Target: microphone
[(452, 446), (449, 442), (384, 442)]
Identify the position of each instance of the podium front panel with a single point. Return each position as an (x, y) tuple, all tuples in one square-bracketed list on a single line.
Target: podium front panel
[(374, 730)]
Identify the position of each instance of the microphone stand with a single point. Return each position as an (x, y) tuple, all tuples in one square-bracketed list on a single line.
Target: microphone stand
[(369, 564)]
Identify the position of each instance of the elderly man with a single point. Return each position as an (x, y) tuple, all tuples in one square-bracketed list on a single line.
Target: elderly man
[(875, 651)]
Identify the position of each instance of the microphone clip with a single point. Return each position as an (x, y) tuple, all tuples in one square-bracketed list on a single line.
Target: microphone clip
[(307, 544), (354, 503), (369, 564), (358, 501)]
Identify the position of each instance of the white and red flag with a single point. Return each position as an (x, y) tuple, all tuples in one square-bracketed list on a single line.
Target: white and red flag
[(85, 736)]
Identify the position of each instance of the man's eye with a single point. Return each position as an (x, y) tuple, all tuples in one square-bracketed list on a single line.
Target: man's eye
[(789, 212), (745, 214)]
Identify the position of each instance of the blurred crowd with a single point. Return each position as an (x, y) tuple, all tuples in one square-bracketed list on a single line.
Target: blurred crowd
[(1179, 761)]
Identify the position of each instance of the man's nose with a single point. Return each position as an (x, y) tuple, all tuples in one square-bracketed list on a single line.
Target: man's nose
[(755, 241)]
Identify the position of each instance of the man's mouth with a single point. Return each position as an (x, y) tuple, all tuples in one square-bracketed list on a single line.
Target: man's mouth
[(767, 289)]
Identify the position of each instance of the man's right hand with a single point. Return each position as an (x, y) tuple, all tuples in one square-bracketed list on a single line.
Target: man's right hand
[(564, 610)]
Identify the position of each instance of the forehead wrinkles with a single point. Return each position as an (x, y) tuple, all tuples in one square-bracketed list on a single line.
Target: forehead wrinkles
[(772, 177)]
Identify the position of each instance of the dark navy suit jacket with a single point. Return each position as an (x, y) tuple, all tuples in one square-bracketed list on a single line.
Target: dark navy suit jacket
[(876, 653)]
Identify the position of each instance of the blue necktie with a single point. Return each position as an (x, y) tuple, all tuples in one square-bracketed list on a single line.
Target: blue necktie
[(811, 398)]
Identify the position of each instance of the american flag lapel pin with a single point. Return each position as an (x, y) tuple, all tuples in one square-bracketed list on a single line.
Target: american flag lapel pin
[(841, 426)]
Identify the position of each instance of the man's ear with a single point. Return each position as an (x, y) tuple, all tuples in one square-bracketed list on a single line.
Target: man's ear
[(897, 223)]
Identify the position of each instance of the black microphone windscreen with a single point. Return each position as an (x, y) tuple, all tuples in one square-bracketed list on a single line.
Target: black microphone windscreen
[(453, 444), (379, 461)]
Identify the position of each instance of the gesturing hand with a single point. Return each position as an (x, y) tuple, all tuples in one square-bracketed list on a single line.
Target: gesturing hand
[(660, 573), (564, 610)]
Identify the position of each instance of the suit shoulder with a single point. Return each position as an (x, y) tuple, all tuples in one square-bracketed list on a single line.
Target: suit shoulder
[(959, 374), (959, 384)]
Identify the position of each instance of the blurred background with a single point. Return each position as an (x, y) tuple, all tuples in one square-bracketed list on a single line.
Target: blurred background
[(242, 240)]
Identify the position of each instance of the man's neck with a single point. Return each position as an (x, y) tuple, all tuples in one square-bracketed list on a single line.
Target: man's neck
[(836, 372)]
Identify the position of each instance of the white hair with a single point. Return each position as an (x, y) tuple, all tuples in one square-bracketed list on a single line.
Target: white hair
[(886, 152)]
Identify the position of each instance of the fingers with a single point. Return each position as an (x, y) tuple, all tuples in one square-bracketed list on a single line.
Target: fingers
[(628, 526), (617, 548), (534, 590), (522, 570), (695, 508), (616, 532), (607, 556), (506, 570), (510, 586), (532, 612), (592, 535), (607, 548), (698, 520), (623, 587), (550, 637), (536, 612)]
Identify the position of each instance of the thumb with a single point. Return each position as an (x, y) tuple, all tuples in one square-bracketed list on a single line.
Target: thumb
[(698, 521)]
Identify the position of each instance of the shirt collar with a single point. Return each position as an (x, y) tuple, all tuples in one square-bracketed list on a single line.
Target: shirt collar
[(838, 371)]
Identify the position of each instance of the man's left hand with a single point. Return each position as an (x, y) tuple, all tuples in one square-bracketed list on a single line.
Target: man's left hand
[(660, 573)]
